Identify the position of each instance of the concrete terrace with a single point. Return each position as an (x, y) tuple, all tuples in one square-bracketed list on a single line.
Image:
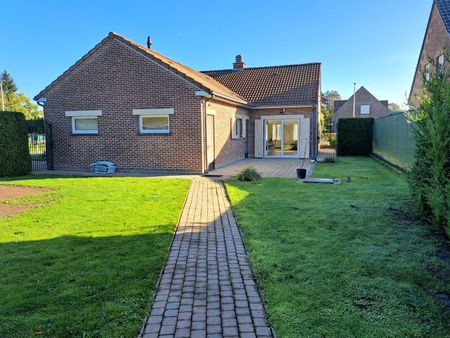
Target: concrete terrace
[(283, 168)]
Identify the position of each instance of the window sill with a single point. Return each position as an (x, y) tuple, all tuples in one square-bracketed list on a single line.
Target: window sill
[(84, 134), (155, 134)]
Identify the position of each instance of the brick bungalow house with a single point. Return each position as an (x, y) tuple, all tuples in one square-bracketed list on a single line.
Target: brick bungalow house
[(128, 104), (366, 105), (435, 43)]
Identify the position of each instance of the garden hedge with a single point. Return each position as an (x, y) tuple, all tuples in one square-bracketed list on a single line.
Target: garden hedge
[(354, 136), (15, 158)]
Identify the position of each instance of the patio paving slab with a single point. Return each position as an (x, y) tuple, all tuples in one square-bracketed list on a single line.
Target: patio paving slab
[(207, 287)]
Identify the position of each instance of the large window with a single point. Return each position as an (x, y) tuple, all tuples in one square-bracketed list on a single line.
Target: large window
[(154, 121), (84, 121)]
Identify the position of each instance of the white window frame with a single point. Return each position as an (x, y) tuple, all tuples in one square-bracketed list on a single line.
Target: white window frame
[(154, 131), (154, 112), (84, 114), (236, 133), (240, 124), (428, 72), (361, 109)]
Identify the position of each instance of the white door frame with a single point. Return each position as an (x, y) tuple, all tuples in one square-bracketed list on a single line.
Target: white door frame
[(281, 118)]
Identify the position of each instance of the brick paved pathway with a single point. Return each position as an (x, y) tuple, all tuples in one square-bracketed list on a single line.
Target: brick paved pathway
[(207, 288)]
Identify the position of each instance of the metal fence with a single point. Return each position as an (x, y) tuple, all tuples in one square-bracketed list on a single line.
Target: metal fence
[(393, 140), (40, 144)]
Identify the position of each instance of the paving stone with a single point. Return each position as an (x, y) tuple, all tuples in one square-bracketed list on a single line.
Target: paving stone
[(213, 329), (263, 331), (198, 333), (182, 333), (183, 324), (199, 325), (230, 331), (216, 320), (167, 330)]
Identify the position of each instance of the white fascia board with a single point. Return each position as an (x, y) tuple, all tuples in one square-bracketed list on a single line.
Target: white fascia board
[(156, 111), (202, 93), (281, 107), (84, 113)]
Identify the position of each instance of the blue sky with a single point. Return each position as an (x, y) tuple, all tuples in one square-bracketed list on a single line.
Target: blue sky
[(373, 43)]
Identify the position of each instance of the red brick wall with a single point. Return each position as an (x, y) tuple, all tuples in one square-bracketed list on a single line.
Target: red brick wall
[(227, 150), (257, 114), (436, 41), (116, 79)]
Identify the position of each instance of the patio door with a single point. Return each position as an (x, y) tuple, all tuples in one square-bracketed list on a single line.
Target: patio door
[(281, 138)]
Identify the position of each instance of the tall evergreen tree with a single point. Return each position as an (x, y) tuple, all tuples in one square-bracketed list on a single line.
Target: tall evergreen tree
[(9, 86)]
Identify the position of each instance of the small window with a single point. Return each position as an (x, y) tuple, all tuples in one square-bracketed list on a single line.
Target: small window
[(238, 127), (85, 125), (427, 72), (84, 121), (365, 109), (154, 124), (154, 120), (440, 63)]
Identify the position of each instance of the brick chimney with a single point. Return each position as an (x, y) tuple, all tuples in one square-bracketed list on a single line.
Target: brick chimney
[(239, 64)]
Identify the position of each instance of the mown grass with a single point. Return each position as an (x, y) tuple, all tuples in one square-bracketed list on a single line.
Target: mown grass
[(345, 260), (84, 262)]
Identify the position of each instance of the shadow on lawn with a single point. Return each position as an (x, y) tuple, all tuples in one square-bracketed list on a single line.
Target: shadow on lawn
[(79, 286)]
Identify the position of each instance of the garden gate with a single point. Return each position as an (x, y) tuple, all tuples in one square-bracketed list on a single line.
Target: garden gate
[(40, 144)]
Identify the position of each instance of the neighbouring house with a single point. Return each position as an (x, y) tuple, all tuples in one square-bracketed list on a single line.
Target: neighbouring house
[(366, 105), (131, 105), (436, 43)]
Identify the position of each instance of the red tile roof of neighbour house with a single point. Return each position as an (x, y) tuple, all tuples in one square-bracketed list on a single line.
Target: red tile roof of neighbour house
[(201, 80), (276, 85)]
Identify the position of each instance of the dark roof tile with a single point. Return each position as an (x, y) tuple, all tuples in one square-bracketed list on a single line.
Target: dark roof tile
[(276, 85), (444, 10)]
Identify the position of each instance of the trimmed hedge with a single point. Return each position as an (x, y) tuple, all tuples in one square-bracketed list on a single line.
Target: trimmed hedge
[(15, 157), (354, 136)]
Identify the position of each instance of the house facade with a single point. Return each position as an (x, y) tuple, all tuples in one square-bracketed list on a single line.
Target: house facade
[(366, 105), (435, 44), (128, 104)]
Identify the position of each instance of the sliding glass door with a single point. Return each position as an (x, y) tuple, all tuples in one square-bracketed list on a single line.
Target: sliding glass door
[(281, 138)]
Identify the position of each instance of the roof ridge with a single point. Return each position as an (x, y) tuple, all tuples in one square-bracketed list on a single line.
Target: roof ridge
[(263, 67), (166, 60), (213, 85)]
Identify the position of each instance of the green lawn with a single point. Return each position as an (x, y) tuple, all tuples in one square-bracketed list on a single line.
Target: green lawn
[(85, 261), (343, 260)]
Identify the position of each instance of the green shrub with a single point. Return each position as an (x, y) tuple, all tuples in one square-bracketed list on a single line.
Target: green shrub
[(354, 137), (14, 154), (249, 174), (333, 140), (429, 176)]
